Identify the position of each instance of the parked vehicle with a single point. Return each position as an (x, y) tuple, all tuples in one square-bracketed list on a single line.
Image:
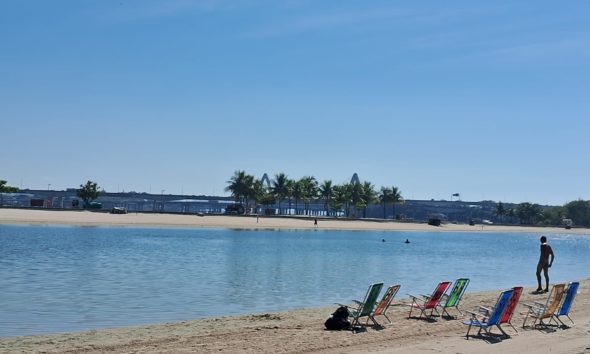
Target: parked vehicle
[(236, 208), (118, 210)]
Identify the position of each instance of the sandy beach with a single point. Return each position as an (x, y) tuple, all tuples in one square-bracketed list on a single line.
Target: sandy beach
[(302, 331), (88, 218)]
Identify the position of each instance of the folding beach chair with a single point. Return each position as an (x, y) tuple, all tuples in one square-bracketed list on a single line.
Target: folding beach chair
[(385, 302), (510, 308), (365, 308), (566, 305), (453, 299), (494, 319), (540, 311), (431, 302)]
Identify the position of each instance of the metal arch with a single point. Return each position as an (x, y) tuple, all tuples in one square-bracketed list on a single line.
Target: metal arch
[(265, 179)]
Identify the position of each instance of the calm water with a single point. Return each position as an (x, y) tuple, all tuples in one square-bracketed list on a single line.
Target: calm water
[(64, 279)]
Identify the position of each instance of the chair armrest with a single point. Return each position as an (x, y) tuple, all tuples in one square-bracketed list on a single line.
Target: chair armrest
[(534, 309), (477, 316), (485, 310), (532, 306)]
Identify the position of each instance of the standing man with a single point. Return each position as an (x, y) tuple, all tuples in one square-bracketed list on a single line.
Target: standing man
[(544, 264)]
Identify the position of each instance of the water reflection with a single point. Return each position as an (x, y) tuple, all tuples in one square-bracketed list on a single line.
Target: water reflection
[(57, 279)]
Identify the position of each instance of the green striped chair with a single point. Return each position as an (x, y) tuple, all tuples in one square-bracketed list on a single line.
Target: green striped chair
[(365, 308), (454, 298)]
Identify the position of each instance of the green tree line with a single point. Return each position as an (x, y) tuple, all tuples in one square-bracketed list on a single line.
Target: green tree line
[(4, 188), (534, 214), (353, 199), (285, 193)]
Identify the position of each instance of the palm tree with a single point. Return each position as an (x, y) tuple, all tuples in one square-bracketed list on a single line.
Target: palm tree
[(263, 195), (326, 193), (368, 196), (341, 198), (529, 213), (241, 186), (309, 189), (290, 185), (385, 198), (297, 194), (4, 188), (500, 211), (356, 200), (237, 185), (280, 188), (349, 196), (390, 196), (511, 214), (396, 198)]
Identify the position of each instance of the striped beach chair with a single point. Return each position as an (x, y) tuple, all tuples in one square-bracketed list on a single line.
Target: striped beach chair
[(366, 307), (430, 302), (540, 311), (454, 298), (566, 305), (385, 302), (486, 323)]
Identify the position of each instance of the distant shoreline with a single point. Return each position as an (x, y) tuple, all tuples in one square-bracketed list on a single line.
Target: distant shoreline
[(90, 218)]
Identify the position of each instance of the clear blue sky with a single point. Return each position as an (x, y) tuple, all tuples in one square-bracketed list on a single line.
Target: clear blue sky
[(487, 99)]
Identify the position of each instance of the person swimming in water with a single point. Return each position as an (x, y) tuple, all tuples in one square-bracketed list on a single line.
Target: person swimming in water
[(544, 264), (407, 241)]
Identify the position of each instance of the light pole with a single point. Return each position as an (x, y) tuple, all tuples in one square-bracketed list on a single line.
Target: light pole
[(48, 185)]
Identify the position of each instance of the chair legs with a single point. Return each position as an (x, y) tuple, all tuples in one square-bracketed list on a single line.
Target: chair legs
[(467, 334), (444, 311), (511, 325)]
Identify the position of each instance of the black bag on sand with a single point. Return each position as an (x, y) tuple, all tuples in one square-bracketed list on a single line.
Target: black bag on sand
[(339, 320)]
